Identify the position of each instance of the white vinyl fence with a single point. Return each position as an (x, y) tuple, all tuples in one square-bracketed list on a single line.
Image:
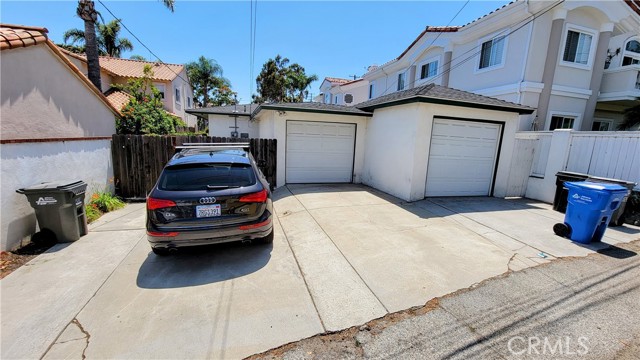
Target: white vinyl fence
[(540, 155)]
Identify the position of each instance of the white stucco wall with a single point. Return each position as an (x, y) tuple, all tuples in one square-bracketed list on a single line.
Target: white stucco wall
[(42, 98), (398, 140), (221, 125), (26, 164), (273, 125)]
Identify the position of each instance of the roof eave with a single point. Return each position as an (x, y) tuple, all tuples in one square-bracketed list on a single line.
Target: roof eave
[(432, 100), (196, 112), (307, 110)]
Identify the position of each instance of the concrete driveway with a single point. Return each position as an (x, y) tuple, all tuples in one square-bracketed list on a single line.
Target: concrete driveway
[(342, 255)]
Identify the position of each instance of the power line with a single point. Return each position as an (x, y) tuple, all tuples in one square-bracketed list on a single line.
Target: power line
[(432, 42), (143, 44), (528, 21)]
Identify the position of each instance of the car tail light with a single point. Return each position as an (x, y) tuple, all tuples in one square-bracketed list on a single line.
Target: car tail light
[(259, 197), (153, 204), (253, 226), (162, 234)]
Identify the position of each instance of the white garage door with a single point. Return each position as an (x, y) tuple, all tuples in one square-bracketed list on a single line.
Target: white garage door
[(319, 152), (462, 158)]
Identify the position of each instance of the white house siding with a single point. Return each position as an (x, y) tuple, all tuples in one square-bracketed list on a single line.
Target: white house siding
[(221, 125), (273, 125), (42, 98), (398, 141), (26, 164)]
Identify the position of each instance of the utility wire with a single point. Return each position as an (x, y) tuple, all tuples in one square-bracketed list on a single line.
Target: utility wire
[(143, 44), (432, 42), (525, 23)]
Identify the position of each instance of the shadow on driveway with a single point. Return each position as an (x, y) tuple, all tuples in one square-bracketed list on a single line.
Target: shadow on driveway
[(202, 265)]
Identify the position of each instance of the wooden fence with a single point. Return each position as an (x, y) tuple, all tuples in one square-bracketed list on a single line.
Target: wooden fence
[(139, 159)]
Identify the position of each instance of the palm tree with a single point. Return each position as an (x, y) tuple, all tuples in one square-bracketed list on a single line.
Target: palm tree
[(299, 82), (631, 118), (109, 43), (205, 75), (87, 12)]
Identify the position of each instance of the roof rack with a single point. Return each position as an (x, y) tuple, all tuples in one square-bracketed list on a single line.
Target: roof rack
[(213, 146)]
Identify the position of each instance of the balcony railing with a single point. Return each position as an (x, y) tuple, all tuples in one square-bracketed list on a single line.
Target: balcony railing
[(622, 83)]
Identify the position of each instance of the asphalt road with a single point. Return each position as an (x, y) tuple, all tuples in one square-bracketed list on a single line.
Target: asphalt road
[(570, 308)]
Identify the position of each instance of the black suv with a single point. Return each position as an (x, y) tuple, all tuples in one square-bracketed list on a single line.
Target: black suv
[(209, 194)]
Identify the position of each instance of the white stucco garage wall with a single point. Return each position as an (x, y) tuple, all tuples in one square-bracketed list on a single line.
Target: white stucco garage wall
[(220, 125), (398, 140), (26, 164), (273, 125)]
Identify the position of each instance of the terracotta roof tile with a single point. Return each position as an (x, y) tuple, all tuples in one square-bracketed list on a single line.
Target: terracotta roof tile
[(133, 68), (634, 4), (17, 36), (117, 98), (337, 80)]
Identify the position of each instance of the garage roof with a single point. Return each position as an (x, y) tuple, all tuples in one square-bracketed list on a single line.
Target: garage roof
[(437, 94), (240, 110), (314, 107)]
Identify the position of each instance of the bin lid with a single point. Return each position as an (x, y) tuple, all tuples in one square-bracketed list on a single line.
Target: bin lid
[(64, 185), (596, 186), (571, 173)]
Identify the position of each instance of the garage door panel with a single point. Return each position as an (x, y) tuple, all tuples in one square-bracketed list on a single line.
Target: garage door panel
[(319, 152), (462, 158)]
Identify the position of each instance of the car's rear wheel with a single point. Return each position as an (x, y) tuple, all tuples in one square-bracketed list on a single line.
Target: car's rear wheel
[(160, 251), (267, 239)]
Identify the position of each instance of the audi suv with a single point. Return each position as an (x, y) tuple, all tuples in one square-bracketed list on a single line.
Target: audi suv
[(208, 195)]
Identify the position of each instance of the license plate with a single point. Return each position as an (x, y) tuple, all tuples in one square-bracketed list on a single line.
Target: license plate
[(207, 210)]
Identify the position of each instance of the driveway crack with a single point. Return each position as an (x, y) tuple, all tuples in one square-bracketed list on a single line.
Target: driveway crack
[(87, 336)]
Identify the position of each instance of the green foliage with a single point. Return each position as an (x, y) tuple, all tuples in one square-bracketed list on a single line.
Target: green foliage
[(104, 201), (137, 57), (280, 82), (92, 213), (210, 88), (631, 118), (144, 114), (108, 42)]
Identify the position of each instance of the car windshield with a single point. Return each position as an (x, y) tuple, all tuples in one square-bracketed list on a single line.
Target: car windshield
[(206, 176)]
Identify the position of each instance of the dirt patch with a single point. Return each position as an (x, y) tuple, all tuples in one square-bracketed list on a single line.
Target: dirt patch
[(12, 260)]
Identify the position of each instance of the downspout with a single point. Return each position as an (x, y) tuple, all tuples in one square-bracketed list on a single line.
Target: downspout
[(526, 55)]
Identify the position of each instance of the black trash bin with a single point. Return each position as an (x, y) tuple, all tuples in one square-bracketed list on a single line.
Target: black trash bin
[(560, 198), (617, 217), (59, 207)]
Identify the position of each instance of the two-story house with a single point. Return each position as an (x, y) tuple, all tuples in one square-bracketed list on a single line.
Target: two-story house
[(170, 79), (577, 62), (343, 91)]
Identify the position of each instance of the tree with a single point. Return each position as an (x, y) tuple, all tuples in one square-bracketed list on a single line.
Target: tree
[(144, 114), (138, 57), (210, 88), (107, 38), (631, 118), (280, 82), (87, 12)]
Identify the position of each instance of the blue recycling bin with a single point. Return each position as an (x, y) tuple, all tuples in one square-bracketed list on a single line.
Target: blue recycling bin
[(590, 206)]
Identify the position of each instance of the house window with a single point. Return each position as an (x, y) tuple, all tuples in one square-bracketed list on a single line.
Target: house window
[(327, 98), (177, 95), (336, 99), (188, 102), (631, 53), (429, 70), (491, 52), (577, 47), (161, 90), (561, 122), (372, 89), (401, 78), (601, 125)]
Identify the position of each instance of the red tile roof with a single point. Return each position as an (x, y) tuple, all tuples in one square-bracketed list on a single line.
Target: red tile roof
[(133, 68), (634, 4), (442, 28), (337, 80), (16, 36), (117, 98)]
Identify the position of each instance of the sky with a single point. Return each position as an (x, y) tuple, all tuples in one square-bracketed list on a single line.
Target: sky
[(328, 38)]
